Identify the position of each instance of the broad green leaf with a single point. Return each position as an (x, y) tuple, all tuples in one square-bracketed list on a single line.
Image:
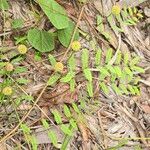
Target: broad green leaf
[(66, 129), (65, 35), (41, 40), (72, 63), (55, 12), (52, 59), (104, 87), (4, 5), (85, 58), (88, 74), (108, 55), (67, 111), (98, 57), (90, 89), (37, 56), (72, 84), (17, 23), (53, 79), (137, 69), (57, 116), (68, 77)]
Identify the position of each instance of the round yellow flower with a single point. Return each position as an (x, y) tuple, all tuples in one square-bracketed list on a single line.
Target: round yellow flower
[(7, 91), (116, 10), (9, 67), (59, 67), (76, 45), (22, 49)]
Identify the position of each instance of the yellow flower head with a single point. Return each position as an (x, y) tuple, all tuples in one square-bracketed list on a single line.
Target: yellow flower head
[(116, 10), (7, 91), (59, 67), (76, 45), (22, 49), (9, 67)]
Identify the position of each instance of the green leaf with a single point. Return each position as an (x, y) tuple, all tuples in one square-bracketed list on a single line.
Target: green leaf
[(57, 116), (108, 55), (90, 89), (17, 23), (34, 142), (20, 69), (99, 22), (53, 79), (72, 63), (137, 69), (134, 61), (123, 89), (25, 128), (41, 40), (130, 11), (98, 57), (118, 71), (52, 59), (75, 107), (111, 69), (118, 59), (67, 111), (85, 58), (72, 84), (128, 71), (68, 77), (136, 90), (4, 5), (104, 87), (73, 123), (126, 58), (37, 56), (65, 35), (53, 138), (66, 129), (131, 89), (103, 70), (55, 12), (45, 123), (116, 89), (88, 74), (22, 81)]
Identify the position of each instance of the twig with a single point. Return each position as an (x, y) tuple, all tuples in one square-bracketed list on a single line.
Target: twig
[(73, 35)]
